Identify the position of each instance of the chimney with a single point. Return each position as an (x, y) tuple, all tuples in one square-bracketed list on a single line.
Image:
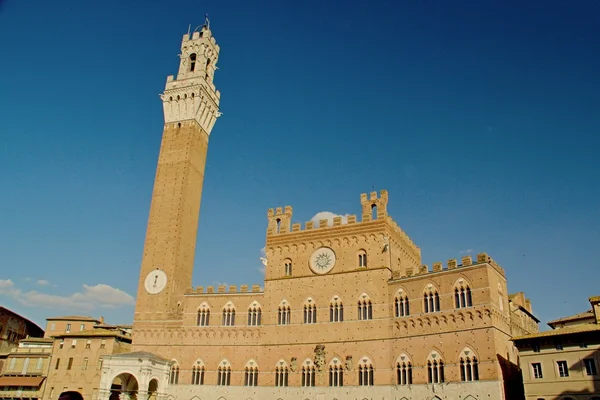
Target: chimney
[(595, 302), (101, 320)]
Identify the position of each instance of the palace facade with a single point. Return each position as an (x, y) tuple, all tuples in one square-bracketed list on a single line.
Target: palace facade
[(347, 310)]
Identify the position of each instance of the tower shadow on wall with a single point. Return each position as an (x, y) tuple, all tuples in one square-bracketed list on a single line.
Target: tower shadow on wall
[(513, 379), (578, 368)]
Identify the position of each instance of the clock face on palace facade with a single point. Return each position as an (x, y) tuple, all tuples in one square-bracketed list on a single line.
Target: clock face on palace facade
[(322, 260)]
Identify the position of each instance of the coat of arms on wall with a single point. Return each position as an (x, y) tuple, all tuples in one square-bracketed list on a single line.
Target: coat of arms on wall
[(293, 364), (349, 363), (319, 357)]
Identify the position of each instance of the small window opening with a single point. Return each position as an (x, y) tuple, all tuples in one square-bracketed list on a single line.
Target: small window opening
[(278, 224), (374, 212), (192, 62)]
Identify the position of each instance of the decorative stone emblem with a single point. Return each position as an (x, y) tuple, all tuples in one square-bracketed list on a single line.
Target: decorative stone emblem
[(348, 363), (293, 364), (319, 357)]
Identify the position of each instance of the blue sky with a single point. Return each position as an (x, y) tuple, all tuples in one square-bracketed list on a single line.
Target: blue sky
[(481, 119)]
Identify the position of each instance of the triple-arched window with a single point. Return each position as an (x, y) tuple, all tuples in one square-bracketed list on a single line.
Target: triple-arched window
[(401, 304), (254, 314), (365, 372), (462, 295), (281, 374), (365, 307), (229, 315), (224, 373), (308, 373), (203, 317), (336, 373), (404, 371), (198, 371), (469, 366), (336, 310), (435, 368), (431, 300), (251, 374), (310, 311), (284, 313)]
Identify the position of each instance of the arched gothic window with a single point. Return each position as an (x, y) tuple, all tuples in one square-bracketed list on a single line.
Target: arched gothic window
[(229, 315), (469, 366), (401, 304), (308, 373), (403, 370), (310, 312), (365, 372), (224, 374), (435, 368), (462, 295), (174, 374), (251, 374), (336, 373), (336, 310), (203, 318), (192, 62), (281, 374), (284, 313), (431, 300), (254, 314), (198, 373), (287, 267), (365, 307), (362, 259)]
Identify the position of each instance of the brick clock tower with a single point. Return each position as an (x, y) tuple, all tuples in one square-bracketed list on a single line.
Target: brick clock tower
[(191, 107)]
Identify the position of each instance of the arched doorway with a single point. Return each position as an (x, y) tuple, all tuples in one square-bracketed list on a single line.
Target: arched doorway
[(124, 384), (152, 389)]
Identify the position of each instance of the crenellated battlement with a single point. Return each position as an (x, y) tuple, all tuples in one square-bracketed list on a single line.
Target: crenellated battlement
[(374, 208), (451, 264), (222, 289)]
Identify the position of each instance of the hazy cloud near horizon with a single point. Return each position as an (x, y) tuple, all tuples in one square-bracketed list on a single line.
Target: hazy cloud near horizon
[(91, 297)]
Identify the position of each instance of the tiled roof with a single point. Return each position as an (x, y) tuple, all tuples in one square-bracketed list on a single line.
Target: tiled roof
[(138, 354), (95, 333), (37, 340), (30, 324), (569, 330), (73, 318), (583, 315)]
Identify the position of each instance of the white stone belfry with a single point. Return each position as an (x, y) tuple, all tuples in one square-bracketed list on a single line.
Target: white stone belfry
[(192, 95)]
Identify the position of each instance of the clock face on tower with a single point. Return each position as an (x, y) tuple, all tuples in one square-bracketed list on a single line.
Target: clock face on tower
[(322, 260), (155, 281)]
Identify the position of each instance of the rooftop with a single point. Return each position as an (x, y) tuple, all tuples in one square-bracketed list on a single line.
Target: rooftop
[(570, 330), (30, 324), (73, 318), (36, 340), (98, 332), (583, 315)]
